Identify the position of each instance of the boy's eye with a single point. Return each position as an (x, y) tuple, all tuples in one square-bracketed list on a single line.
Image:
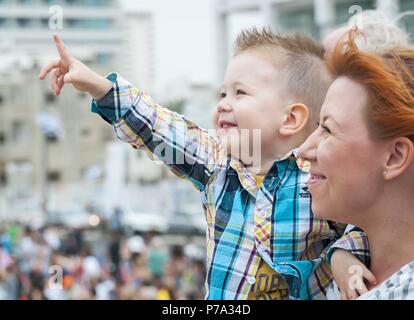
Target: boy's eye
[(240, 92), (222, 95)]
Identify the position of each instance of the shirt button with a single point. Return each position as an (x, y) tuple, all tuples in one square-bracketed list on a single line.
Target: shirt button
[(251, 280), (262, 248)]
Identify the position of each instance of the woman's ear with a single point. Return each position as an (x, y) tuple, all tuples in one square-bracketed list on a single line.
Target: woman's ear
[(296, 118), (400, 157)]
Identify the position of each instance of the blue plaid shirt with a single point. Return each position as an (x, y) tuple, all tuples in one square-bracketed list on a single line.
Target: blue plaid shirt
[(244, 224)]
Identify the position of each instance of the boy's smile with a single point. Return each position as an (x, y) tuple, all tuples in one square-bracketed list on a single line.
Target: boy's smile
[(224, 124)]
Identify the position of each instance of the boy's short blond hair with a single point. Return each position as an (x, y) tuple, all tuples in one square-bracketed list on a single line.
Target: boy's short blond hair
[(300, 56)]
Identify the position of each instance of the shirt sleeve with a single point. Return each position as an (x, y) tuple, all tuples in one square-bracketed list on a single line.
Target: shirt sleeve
[(353, 240), (189, 151), (349, 238)]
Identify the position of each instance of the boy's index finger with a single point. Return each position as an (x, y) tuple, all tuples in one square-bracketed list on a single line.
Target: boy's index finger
[(63, 53)]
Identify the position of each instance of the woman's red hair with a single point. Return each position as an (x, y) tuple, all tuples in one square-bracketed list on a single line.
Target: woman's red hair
[(389, 80)]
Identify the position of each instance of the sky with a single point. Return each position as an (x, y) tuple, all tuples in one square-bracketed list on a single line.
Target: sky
[(185, 38)]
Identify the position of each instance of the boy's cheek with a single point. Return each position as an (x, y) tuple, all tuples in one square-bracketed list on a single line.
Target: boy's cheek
[(215, 119)]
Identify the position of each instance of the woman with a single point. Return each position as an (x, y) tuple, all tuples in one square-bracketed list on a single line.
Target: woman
[(362, 163)]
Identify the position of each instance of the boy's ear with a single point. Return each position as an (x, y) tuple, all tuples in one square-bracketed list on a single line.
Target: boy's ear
[(295, 120), (399, 157)]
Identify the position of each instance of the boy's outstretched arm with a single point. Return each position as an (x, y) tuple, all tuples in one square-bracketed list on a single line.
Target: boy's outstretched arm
[(66, 69), (189, 151)]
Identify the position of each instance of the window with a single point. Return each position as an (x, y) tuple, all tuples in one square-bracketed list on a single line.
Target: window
[(50, 98), (44, 23), (2, 138), (3, 22), (19, 132), (406, 5), (83, 95), (103, 59), (49, 2), (54, 176), (24, 22), (301, 19), (99, 24), (27, 2), (3, 177), (85, 132), (407, 21)]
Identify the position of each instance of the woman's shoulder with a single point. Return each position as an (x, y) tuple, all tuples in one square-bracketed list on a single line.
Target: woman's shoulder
[(400, 286)]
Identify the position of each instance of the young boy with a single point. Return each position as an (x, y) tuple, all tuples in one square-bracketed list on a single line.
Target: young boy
[(263, 241)]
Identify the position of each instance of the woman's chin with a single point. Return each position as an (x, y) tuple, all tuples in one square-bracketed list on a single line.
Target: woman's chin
[(320, 212)]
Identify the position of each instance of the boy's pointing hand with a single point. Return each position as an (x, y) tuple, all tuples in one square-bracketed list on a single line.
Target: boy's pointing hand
[(66, 69)]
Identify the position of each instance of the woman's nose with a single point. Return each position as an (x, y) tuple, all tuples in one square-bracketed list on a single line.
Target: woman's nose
[(307, 150)]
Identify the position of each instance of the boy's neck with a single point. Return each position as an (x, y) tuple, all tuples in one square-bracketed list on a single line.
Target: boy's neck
[(261, 169), (266, 162), (268, 157)]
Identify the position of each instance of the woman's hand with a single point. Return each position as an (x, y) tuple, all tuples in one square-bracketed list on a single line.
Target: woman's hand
[(350, 275)]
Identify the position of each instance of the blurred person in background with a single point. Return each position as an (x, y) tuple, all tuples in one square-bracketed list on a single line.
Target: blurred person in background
[(157, 257), (7, 289), (114, 252), (87, 275)]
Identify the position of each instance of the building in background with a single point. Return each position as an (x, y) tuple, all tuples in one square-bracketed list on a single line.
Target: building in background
[(138, 55), (98, 32), (45, 142), (315, 17), (90, 28)]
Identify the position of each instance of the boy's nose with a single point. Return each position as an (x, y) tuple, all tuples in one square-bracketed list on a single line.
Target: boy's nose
[(223, 107)]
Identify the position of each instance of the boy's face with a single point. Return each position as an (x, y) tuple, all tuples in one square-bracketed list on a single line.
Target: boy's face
[(250, 99)]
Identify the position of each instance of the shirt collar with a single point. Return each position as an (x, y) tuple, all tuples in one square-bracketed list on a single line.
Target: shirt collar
[(247, 179)]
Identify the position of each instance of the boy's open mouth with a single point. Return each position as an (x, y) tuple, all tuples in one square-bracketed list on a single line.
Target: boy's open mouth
[(224, 124)]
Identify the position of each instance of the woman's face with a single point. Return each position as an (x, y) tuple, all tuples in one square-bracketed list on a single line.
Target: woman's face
[(346, 163)]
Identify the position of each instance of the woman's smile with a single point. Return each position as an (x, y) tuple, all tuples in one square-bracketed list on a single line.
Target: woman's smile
[(315, 179)]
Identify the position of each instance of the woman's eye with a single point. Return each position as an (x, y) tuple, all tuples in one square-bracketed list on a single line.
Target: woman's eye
[(324, 128), (240, 92)]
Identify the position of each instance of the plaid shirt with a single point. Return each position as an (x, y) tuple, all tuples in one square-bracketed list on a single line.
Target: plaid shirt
[(400, 286), (244, 224)]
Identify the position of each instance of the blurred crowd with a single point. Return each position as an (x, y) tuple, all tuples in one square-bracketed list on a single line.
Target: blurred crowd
[(57, 262)]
